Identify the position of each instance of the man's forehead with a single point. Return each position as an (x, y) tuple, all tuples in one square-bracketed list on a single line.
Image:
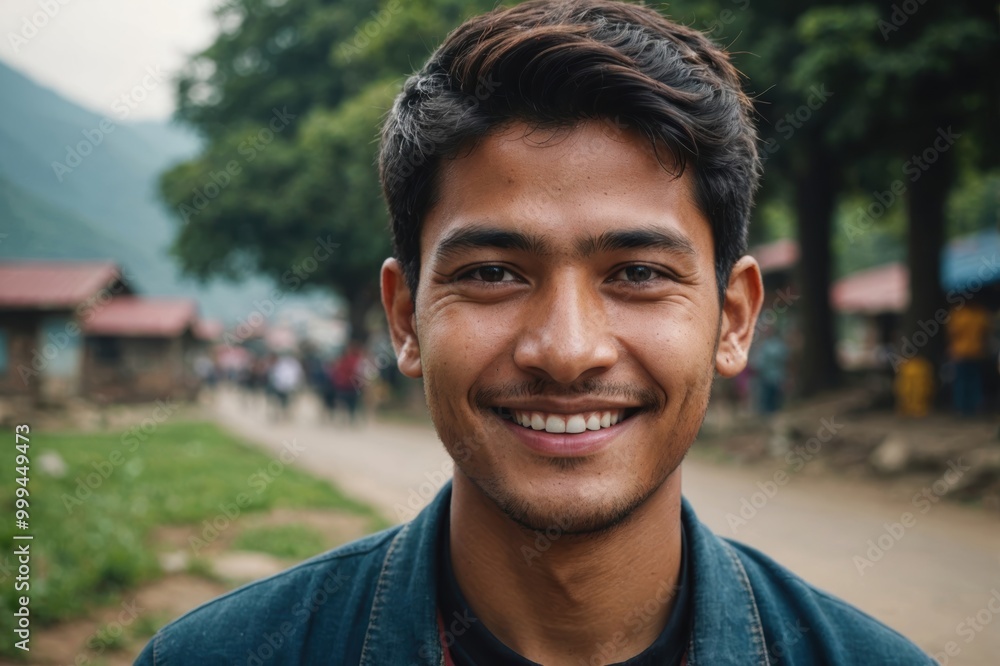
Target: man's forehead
[(579, 175), (504, 149)]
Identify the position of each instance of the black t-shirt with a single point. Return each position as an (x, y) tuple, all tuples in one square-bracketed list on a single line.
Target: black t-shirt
[(472, 644)]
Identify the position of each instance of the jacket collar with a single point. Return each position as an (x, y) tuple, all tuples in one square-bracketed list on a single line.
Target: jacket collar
[(402, 626), (727, 627)]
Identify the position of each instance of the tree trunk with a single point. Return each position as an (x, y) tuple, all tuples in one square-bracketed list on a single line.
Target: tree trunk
[(359, 304), (926, 197), (816, 185)]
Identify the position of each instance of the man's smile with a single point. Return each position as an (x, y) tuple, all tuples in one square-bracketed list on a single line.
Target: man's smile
[(569, 423), (569, 433)]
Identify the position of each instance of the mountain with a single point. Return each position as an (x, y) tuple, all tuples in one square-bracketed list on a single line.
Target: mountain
[(78, 185), (34, 228)]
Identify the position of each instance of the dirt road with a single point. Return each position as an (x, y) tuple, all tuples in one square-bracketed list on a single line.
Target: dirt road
[(933, 575)]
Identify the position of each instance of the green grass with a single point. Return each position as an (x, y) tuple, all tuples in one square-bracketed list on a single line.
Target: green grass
[(109, 638), (292, 541), (146, 625), (201, 567), (92, 527)]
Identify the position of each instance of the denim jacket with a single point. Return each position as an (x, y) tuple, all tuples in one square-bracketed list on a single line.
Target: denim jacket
[(373, 602)]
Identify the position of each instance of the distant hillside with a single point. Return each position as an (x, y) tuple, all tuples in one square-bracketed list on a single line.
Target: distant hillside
[(34, 228), (169, 140), (71, 187)]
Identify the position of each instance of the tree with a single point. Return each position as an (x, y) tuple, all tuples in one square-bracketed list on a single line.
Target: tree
[(289, 99), (803, 158), (897, 80), (943, 63), (923, 88)]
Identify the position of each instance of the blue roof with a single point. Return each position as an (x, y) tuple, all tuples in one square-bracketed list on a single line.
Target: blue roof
[(971, 261)]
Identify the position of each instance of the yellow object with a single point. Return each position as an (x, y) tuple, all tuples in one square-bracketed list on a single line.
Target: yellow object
[(914, 387), (968, 327)]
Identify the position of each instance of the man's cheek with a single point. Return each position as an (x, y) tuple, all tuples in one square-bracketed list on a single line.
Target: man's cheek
[(462, 453)]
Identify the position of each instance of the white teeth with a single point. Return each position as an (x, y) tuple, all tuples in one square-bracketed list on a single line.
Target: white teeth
[(567, 423), (555, 424), (575, 424)]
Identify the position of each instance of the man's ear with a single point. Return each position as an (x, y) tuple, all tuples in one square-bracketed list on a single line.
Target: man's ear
[(399, 312), (744, 298)]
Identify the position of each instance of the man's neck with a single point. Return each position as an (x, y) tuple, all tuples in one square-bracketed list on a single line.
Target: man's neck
[(562, 599)]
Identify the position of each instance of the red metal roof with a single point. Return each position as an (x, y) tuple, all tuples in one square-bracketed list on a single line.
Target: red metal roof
[(881, 289), (777, 256), (54, 285), (132, 316)]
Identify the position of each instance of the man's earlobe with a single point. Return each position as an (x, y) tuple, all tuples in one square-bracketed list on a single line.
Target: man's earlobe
[(397, 301), (744, 298)]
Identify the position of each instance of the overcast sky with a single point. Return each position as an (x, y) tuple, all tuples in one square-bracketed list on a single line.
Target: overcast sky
[(95, 51)]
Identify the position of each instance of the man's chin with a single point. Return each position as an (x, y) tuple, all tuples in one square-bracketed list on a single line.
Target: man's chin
[(567, 513)]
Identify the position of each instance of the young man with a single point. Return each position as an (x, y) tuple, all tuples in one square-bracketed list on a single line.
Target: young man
[(570, 185)]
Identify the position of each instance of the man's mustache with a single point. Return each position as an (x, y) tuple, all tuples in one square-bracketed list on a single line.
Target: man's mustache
[(617, 392)]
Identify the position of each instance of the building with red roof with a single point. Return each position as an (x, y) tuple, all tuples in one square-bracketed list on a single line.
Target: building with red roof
[(140, 348), (78, 329), (870, 303)]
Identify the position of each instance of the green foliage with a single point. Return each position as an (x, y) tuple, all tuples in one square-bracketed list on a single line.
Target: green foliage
[(886, 83), (975, 204), (202, 568), (268, 54), (92, 527), (110, 637), (148, 624), (292, 541), (878, 244), (336, 67), (773, 220)]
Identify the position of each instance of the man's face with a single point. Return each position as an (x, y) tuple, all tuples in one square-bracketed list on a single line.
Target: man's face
[(567, 283)]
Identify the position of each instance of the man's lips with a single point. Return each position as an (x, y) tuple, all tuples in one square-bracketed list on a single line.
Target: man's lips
[(566, 444), (571, 423)]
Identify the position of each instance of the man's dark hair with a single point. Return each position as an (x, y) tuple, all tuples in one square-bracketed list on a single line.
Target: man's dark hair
[(554, 63)]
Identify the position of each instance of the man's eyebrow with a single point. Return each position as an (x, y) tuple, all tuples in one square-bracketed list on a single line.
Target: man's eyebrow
[(643, 238), (477, 237), (470, 238)]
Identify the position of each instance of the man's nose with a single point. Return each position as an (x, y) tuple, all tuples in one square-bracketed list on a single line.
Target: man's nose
[(566, 334)]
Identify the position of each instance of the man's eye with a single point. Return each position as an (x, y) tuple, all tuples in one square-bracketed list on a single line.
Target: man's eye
[(637, 273), (488, 274)]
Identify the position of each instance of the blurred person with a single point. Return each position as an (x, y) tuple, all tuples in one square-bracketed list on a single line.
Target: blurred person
[(569, 275), (743, 391), (253, 379), (204, 368), (328, 389), (968, 335), (914, 387), (769, 368), (233, 364), (313, 367), (318, 379), (346, 374), (284, 379), (991, 381), (259, 373)]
